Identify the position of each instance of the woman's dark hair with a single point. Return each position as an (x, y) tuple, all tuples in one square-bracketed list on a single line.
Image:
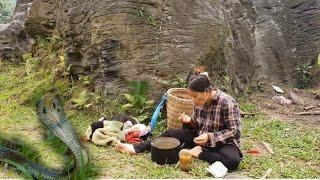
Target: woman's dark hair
[(199, 83)]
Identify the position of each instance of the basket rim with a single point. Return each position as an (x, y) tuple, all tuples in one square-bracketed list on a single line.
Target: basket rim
[(172, 89)]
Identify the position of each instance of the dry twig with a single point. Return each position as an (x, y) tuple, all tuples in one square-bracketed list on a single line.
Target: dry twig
[(267, 146), (268, 172), (308, 113), (308, 107)]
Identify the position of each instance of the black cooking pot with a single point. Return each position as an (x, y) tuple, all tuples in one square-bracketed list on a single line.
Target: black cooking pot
[(165, 150)]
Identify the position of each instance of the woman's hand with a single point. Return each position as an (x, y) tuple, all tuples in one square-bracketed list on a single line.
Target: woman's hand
[(184, 118), (201, 139)]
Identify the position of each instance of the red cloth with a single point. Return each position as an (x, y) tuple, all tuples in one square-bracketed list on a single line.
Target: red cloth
[(133, 137)]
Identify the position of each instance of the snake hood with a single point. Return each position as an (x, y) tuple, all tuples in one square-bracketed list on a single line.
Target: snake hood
[(51, 114)]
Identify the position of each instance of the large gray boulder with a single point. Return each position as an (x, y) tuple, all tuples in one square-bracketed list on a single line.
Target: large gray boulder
[(240, 42), (14, 41), (268, 40), (155, 41)]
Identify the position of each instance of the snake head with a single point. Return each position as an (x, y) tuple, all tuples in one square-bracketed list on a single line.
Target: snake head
[(49, 110)]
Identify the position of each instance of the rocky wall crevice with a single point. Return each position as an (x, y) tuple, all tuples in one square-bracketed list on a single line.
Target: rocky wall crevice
[(240, 42), (14, 40)]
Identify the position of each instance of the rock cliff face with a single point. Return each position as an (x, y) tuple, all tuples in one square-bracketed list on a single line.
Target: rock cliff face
[(240, 42), (14, 40), (268, 40)]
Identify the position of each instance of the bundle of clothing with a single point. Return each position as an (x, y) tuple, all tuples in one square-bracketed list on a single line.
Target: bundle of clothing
[(119, 128)]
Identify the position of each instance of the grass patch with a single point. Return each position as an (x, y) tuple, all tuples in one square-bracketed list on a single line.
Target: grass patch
[(296, 146), (18, 120)]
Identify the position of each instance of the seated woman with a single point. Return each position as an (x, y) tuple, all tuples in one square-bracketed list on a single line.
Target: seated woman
[(212, 134)]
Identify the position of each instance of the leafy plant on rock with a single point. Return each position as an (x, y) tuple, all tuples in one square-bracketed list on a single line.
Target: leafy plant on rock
[(137, 103), (303, 73)]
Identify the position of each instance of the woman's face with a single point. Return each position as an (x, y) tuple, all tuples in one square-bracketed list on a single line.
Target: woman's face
[(199, 98)]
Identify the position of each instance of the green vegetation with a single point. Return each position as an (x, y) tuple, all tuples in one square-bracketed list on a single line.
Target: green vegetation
[(21, 87), (137, 103), (303, 73), (152, 20), (22, 169), (296, 146), (179, 82), (142, 14), (6, 9), (81, 97)]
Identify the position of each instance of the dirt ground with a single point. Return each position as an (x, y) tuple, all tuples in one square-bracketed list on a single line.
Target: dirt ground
[(311, 104)]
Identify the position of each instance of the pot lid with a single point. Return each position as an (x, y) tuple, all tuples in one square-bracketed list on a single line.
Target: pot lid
[(165, 143)]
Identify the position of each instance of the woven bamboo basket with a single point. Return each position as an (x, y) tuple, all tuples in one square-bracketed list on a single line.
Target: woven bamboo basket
[(178, 102)]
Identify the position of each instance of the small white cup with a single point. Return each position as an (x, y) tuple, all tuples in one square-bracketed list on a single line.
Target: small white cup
[(217, 169)]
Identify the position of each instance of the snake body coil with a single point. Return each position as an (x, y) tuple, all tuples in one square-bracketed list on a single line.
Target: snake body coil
[(50, 113)]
